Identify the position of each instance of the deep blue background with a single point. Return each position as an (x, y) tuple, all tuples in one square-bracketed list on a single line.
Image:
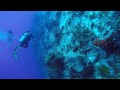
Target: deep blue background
[(27, 66)]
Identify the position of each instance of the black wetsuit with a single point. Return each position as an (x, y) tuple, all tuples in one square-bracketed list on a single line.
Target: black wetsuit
[(24, 43)]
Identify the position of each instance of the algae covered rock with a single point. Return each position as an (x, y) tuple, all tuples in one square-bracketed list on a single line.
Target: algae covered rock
[(55, 64), (73, 43)]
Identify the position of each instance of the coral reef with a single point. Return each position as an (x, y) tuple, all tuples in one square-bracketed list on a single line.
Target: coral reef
[(104, 71), (79, 44), (55, 64), (88, 71)]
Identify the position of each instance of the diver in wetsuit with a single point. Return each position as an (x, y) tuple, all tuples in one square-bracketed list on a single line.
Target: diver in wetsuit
[(9, 36), (24, 42)]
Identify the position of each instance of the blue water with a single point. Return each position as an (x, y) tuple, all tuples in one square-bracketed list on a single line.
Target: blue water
[(27, 66)]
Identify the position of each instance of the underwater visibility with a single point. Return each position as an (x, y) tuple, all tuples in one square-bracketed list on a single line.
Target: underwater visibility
[(59, 44)]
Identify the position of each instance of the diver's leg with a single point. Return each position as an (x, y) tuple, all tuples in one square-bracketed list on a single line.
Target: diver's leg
[(14, 53), (9, 43), (15, 56), (15, 50)]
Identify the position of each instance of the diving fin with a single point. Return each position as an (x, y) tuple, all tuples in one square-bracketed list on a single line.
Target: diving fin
[(15, 56)]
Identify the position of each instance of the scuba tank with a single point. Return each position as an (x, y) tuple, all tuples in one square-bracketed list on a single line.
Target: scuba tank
[(22, 38)]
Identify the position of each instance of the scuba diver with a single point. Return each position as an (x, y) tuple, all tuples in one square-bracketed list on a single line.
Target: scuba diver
[(9, 37), (24, 42)]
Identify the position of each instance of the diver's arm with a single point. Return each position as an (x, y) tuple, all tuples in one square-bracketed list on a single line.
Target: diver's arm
[(32, 37), (32, 42)]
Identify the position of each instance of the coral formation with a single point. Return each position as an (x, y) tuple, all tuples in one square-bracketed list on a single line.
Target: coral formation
[(79, 44), (55, 64)]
